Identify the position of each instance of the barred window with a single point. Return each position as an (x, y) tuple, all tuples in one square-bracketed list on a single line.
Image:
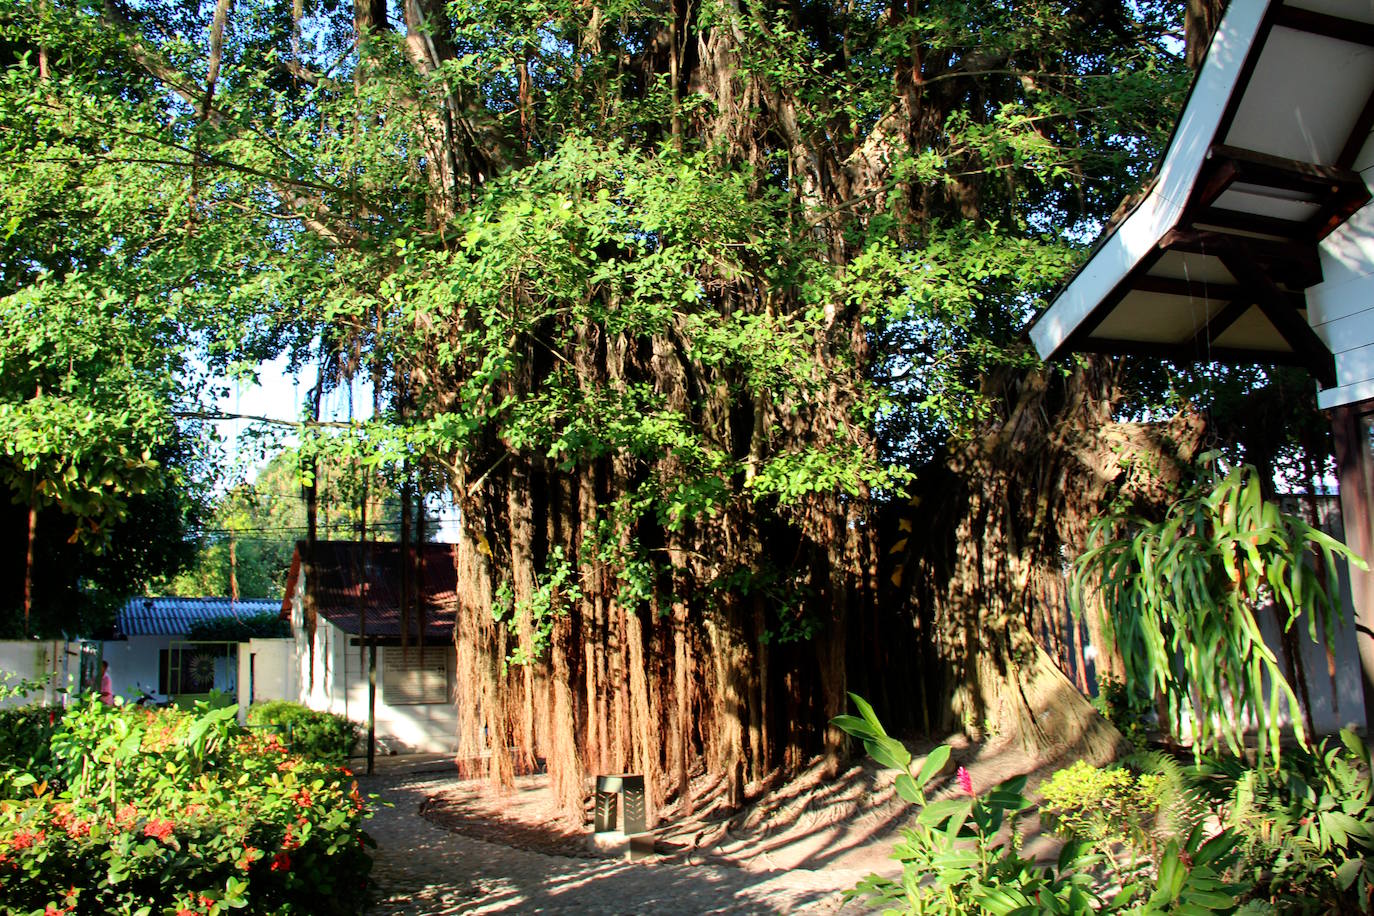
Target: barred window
[(414, 675)]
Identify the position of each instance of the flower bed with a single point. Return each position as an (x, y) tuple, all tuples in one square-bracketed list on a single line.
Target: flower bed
[(177, 813)]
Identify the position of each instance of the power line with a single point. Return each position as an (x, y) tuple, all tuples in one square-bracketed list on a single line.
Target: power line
[(331, 526), (372, 500), (281, 541)]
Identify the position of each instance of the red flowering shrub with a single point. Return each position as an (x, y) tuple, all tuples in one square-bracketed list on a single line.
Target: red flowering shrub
[(26, 839), (159, 829), (179, 813), (317, 735)]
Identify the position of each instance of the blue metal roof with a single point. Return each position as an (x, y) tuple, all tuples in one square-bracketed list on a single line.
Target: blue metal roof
[(174, 616)]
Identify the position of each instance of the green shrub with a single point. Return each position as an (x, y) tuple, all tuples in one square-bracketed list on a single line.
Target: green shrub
[(962, 853), (24, 735), (1125, 708), (1110, 806), (1307, 824), (168, 811), (1304, 827), (322, 736), (1129, 813), (229, 628), (24, 731)]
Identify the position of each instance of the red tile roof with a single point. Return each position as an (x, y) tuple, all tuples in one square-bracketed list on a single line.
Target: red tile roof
[(343, 569)]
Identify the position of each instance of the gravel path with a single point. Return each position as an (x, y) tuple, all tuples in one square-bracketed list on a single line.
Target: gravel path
[(422, 868)]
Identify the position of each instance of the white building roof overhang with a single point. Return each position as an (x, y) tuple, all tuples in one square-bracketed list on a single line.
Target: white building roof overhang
[(1212, 264)]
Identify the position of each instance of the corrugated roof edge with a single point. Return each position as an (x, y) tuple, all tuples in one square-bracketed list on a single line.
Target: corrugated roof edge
[(142, 615)]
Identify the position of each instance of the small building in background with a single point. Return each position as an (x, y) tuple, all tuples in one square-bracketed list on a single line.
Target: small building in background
[(152, 651), (358, 591)]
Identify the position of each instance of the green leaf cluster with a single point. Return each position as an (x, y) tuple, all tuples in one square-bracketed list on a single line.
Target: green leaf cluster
[(325, 737), (1306, 826), (962, 853), (555, 591), (239, 629), (1182, 595)]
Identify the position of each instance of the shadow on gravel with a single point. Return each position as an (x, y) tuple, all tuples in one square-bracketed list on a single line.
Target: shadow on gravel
[(421, 868)]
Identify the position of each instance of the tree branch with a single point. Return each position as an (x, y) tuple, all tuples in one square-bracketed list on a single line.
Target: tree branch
[(216, 52), (215, 415)]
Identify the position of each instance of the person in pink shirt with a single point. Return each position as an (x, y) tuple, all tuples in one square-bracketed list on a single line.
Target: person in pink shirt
[(106, 686)]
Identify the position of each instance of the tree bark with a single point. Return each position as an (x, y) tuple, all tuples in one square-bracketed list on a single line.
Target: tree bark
[(1200, 22), (1019, 497)]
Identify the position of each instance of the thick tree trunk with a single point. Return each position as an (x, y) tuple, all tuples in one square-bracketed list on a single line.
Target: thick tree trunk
[(832, 657), (407, 564), (681, 744), (728, 757), (644, 726), (564, 757), (1200, 21), (484, 729), (1013, 503)]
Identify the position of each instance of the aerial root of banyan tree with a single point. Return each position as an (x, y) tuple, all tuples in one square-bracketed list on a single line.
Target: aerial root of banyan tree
[(691, 679), (665, 688), (1008, 510)]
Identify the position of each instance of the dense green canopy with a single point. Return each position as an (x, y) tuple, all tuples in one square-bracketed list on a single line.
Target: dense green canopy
[(673, 298)]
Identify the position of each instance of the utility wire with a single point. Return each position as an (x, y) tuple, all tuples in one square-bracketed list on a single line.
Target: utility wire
[(331, 525)]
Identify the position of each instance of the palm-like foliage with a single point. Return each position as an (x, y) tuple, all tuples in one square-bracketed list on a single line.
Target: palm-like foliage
[(1180, 598)]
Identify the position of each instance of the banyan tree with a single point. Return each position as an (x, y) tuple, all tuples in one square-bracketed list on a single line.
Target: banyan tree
[(704, 313)]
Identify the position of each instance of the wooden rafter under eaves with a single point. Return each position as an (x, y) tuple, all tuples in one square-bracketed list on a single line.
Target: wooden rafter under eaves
[(1261, 193)]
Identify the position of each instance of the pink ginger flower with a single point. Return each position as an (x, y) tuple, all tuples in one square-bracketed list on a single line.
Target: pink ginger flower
[(965, 780)]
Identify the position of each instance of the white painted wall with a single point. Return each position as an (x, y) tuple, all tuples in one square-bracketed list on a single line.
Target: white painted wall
[(267, 671), (134, 661), (22, 659), (340, 685), (134, 664), (1330, 711), (1343, 706), (338, 682), (1341, 307)]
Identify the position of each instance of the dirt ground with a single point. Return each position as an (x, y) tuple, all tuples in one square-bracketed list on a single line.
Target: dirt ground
[(452, 846)]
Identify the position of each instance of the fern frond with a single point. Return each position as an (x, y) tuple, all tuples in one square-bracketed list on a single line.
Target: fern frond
[(1181, 805)]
